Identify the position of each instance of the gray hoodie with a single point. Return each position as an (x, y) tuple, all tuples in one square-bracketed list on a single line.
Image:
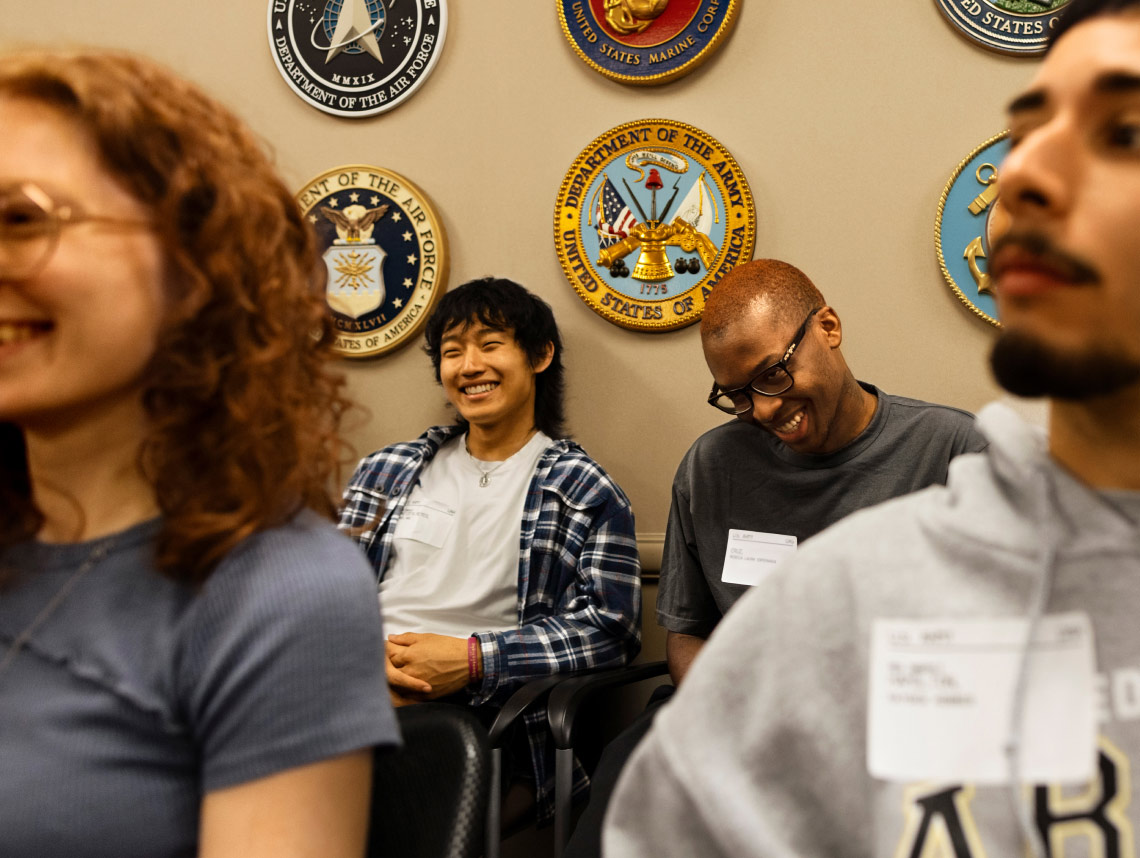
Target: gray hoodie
[(763, 752)]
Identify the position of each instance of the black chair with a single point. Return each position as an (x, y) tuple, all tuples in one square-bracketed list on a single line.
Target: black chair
[(430, 798), (520, 702), (564, 707)]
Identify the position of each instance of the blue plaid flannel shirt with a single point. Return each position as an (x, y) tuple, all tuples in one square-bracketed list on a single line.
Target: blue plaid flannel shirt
[(579, 591)]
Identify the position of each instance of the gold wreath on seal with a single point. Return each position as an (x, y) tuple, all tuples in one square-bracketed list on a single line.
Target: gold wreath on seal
[(655, 79), (633, 16), (973, 250)]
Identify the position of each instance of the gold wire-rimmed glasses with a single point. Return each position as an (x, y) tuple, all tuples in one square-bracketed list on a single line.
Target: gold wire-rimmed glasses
[(31, 221)]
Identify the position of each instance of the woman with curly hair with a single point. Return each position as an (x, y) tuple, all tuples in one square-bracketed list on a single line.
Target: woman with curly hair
[(190, 657)]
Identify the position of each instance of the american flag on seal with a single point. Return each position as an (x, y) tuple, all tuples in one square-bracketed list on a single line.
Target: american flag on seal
[(615, 220)]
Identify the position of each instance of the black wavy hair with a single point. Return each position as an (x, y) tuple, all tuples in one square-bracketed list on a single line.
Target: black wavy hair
[(1079, 11), (505, 305)]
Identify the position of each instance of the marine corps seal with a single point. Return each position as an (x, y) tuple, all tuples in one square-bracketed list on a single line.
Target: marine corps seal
[(649, 218), (385, 251), (646, 41), (1007, 26), (356, 57), (970, 219)]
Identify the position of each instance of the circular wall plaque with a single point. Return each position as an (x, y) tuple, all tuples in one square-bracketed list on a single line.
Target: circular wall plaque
[(970, 218), (356, 58), (646, 41), (1018, 27), (649, 217), (386, 254)]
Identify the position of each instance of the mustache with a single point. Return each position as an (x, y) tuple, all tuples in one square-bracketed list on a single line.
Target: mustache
[(1048, 254)]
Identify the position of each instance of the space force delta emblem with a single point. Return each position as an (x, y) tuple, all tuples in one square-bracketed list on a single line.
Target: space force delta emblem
[(385, 251), (356, 57), (649, 218), (1006, 26), (646, 41)]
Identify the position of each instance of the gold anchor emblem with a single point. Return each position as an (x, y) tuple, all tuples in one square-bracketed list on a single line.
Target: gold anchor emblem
[(974, 250)]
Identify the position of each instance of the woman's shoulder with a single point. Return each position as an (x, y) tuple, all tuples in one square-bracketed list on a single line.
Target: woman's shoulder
[(305, 566)]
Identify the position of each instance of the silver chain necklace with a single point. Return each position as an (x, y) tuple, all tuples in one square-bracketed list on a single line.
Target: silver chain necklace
[(97, 555), (484, 473)]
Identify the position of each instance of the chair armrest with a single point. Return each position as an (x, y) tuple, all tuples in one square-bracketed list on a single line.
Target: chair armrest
[(570, 694), (518, 703)]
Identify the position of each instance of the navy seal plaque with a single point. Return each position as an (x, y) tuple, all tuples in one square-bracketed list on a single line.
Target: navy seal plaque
[(1018, 27), (385, 251), (970, 219), (651, 215), (356, 58), (646, 41)]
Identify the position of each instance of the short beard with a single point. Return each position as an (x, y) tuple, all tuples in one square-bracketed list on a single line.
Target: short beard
[(1027, 367)]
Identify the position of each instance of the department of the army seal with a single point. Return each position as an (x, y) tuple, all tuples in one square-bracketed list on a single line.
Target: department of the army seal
[(970, 219), (1007, 26), (649, 218), (386, 254), (646, 41), (356, 57)]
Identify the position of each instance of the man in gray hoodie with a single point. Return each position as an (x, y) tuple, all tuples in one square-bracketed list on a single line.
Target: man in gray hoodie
[(957, 673)]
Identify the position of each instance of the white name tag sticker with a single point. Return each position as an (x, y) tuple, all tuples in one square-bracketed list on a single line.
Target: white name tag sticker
[(425, 521), (751, 555), (942, 691)]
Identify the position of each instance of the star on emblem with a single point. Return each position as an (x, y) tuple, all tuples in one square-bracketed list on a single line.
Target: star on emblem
[(407, 236), (397, 303), (355, 197), (312, 218), (374, 200), (408, 282), (333, 203), (411, 259), (396, 217), (407, 40)]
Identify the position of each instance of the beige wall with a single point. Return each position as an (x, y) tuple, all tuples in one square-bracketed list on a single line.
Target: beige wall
[(847, 119)]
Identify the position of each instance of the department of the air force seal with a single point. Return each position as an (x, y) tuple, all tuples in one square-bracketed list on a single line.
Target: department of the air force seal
[(649, 218), (385, 251), (970, 219), (356, 57), (1008, 26), (646, 41)]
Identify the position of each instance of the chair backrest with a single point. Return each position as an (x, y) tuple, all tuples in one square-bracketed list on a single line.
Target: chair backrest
[(429, 799)]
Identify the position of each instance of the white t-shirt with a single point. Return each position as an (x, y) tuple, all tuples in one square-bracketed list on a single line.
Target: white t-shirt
[(454, 567)]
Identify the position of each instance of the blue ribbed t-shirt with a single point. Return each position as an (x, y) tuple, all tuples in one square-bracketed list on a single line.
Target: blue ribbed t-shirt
[(138, 694)]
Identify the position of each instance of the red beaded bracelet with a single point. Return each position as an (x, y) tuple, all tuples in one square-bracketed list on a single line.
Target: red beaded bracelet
[(472, 660)]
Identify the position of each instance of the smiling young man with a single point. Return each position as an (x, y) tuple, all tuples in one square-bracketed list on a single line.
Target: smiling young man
[(956, 673), (810, 445), (503, 552)]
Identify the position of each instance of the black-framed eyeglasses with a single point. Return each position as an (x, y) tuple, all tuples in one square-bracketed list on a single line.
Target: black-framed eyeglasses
[(30, 224), (770, 381)]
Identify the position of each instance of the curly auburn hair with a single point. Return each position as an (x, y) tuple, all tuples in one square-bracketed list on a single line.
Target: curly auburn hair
[(243, 412)]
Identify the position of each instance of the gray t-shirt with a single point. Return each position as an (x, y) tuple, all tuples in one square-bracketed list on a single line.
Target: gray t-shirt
[(737, 476), (138, 694)]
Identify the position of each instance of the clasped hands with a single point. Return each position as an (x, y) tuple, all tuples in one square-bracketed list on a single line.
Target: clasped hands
[(423, 666)]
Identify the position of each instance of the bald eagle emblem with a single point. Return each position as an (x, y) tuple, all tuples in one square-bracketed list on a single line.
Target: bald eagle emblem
[(354, 223), (355, 262)]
